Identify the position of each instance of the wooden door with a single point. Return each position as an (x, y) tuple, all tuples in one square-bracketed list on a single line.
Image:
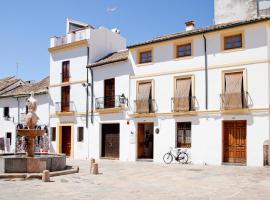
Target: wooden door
[(140, 140), (234, 141), (65, 99), (109, 93), (110, 140), (66, 140)]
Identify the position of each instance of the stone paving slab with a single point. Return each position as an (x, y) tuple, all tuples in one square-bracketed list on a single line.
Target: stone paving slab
[(145, 180)]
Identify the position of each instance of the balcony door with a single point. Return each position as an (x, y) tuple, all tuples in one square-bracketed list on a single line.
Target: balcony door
[(65, 71), (109, 93), (65, 99)]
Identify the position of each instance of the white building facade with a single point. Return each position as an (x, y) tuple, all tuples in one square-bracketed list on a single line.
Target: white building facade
[(205, 90), (69, 84)]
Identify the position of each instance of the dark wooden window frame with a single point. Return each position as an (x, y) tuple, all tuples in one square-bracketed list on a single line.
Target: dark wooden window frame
[(53, 134), (185, 126), (186, 51), (232, 40), (6, 112), (148, 57), (80, 134)]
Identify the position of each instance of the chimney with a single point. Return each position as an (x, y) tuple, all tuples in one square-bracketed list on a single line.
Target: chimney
[(190, 25)]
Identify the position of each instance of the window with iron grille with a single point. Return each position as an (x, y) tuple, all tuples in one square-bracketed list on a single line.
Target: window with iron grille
[(53, 134), (80, 134), (183, 136)]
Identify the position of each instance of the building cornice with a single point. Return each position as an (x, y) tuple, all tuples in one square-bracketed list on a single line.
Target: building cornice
[(68, 46)]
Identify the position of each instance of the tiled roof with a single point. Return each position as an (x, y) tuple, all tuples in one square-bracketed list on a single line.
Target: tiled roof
[(111, 58), (6, 82), (201, 31), (38, 88)]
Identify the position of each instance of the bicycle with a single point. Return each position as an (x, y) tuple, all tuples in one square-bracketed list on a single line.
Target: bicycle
[(181, 156)]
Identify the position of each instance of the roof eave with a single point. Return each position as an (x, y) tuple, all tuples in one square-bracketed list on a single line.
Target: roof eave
[(106, 63), (241, 23)]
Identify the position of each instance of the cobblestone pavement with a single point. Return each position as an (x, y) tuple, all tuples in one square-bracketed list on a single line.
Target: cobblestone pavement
[(145, 180)]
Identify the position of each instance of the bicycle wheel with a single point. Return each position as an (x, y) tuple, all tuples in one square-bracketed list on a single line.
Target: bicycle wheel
[(167, 158), (183, 158)]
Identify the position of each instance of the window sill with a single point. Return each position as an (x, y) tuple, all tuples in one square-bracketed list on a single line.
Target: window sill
[(232, 50), (182, 58), (144, 64)]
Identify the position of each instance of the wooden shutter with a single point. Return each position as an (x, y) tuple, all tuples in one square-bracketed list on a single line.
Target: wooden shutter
[(144, 93), (233, 90), (182, 94)]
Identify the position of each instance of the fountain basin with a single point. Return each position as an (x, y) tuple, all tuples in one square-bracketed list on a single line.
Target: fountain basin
[(19, 163)]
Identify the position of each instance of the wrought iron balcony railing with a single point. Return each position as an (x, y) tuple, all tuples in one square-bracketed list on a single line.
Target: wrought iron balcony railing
[(145, 106), (230, 101), (65, 106), (118, 101), (183, 104)]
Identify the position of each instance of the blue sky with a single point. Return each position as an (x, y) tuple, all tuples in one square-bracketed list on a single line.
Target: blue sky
[(27, 25)]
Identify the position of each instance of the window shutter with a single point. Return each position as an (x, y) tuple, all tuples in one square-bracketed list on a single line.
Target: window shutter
[(144, 93), (182, 94), (233, 90)]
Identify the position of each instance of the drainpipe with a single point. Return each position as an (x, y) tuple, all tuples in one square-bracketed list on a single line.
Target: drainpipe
[(206, 72), (18, 104), (87, 92), (92, 96)]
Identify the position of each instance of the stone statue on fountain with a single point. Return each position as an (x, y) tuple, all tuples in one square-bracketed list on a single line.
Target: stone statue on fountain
[(31, 117)]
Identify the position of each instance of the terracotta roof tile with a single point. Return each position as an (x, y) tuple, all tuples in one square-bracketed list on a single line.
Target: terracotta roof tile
[(38, 88), (111, 58)]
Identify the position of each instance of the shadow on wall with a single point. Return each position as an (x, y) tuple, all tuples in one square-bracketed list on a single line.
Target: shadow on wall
[(67, 55)]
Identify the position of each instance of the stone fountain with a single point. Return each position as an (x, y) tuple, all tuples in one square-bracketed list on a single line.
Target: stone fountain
[(31, 162)]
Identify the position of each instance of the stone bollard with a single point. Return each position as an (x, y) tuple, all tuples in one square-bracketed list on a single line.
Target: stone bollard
[(46, 176), (95, 169), (91, 164)]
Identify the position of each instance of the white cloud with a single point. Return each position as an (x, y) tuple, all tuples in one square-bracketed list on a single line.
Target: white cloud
[(111, 9)]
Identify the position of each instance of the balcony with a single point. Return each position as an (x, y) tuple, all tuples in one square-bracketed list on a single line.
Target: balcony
[(111, 104), (64, 107), (145, 106), (75, 36), (234, 101), (183, 104)]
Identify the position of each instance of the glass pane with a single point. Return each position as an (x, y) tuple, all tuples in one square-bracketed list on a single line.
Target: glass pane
[(188, 47), (237, 38), (181, 53), (238, 44), (228, 39), (228, 45), (180, 48), (188, 52)]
